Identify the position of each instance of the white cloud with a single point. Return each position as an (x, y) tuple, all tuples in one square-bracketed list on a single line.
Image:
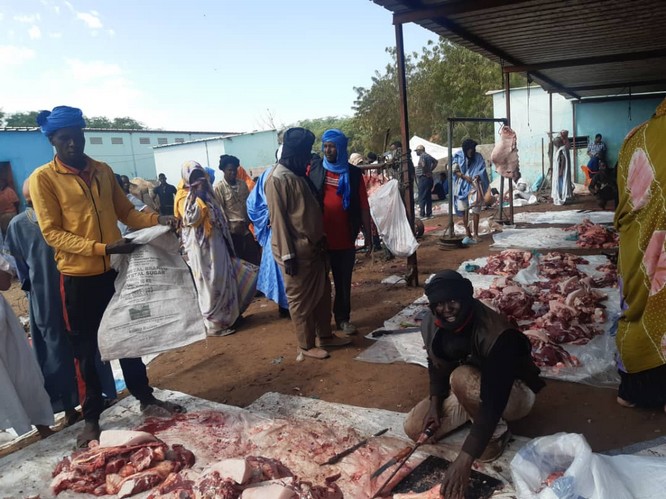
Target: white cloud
[(91, 19), (11, 54), (111, 32), (27, 18), (34, 33), (55, 35), (92, 70)]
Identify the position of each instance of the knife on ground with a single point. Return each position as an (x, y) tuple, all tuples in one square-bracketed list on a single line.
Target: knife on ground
[(394, 460), (353, 448)]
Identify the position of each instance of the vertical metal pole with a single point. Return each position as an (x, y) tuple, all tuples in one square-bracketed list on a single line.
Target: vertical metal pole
[(573, 146), (450, 159), (507, 93), (407, 167), (550, 135)]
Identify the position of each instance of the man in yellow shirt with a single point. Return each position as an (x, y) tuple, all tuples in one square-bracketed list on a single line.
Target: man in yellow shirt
[(78, 204)]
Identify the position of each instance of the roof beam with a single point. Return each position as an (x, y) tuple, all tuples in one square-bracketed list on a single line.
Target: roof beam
[(484, 45), (451, 8), (586, 61), (623, 84)]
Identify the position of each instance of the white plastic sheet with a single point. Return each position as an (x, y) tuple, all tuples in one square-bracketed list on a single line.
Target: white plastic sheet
[(550, 238), (388, 213), (584, 473), (568, 217)]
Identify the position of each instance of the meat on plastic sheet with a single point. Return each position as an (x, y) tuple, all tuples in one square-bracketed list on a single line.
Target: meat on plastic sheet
[(155, 304)]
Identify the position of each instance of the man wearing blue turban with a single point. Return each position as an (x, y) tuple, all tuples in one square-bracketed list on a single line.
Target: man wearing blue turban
[(345, 200), (78, 203)]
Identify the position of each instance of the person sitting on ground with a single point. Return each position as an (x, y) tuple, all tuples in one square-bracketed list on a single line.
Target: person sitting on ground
[(299, 245), (78, 203), (480, 369), (232, 194), (604, 186), (469, 186), (441, 187), (522, 190), (640, 219), (209, 248)]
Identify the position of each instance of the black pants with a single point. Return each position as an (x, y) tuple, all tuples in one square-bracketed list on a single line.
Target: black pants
[(425, 196), (247, 248), (342, 266), (85, 299)]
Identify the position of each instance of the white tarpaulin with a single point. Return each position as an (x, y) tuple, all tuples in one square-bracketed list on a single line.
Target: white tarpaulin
[(435, 150), (567, 217), (550, 238)]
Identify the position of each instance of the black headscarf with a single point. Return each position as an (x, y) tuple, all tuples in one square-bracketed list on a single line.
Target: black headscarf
[(296, 148), (450, 285), (468, 144)]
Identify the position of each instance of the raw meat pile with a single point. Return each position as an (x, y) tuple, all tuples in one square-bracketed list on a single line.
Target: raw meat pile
[(591, 235), (248, 478), (289, 458), (122, 462), (506, 263), (566, 308)]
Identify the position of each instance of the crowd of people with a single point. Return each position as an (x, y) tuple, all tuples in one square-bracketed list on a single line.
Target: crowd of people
[(298, 222)]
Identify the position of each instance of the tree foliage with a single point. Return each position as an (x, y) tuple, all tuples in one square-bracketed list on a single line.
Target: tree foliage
[(29, 119), (444, 80)]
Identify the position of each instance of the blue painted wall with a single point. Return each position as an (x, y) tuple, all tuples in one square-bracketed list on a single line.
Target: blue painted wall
[(613, 120), (25, 151)]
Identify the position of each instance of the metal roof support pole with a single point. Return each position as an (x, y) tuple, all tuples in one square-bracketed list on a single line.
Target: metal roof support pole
[(451, 230), (550, 135), (407, 168), (573, 147), (507, 93)]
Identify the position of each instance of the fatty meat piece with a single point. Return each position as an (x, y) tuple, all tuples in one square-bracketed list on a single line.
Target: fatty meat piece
[(505, 154), (270, 491), (118, 438), (236, 469)]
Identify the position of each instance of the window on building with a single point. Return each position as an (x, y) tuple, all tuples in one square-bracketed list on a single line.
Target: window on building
[(144, 140), (581, 142), (116, 140), (162, 140), (179, 141), (96, 140)]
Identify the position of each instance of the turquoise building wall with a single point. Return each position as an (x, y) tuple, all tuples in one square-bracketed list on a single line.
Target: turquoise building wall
[(24, 150)]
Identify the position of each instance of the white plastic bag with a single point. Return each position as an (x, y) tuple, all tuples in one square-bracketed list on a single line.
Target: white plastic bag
[(155, 304), (388, 213), (584, 474)]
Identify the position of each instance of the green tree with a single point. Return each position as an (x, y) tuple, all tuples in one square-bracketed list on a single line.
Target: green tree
[(2, 116), (444, 80), (319, 125), (28, 119), (125, 123)]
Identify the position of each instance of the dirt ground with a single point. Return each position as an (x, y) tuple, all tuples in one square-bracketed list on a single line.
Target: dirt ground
[(261, 357)]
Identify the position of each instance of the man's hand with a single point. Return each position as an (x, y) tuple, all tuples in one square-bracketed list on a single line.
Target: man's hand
[(434, 415), (456, 480), (290, 267), (168, 220), (122, 246)]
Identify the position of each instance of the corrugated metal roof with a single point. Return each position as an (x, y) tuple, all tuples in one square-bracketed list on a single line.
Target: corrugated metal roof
[(580, 48)]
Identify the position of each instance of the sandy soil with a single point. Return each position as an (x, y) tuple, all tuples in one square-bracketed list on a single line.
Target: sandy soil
[(261, 358)]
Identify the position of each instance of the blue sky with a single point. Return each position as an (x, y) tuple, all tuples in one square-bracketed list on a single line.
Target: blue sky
[(225, 65)]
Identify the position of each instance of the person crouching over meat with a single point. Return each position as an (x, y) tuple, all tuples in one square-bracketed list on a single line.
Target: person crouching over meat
[(480, 368)]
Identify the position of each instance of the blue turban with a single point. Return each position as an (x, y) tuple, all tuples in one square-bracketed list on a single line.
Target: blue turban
[(60, 117), (341, 165), (211, 174)]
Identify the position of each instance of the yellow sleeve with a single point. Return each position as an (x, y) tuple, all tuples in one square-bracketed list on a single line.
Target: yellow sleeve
[(49, 214)]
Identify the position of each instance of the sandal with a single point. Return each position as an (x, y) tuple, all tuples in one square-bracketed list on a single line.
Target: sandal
[(90, 432), (161, 408)]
